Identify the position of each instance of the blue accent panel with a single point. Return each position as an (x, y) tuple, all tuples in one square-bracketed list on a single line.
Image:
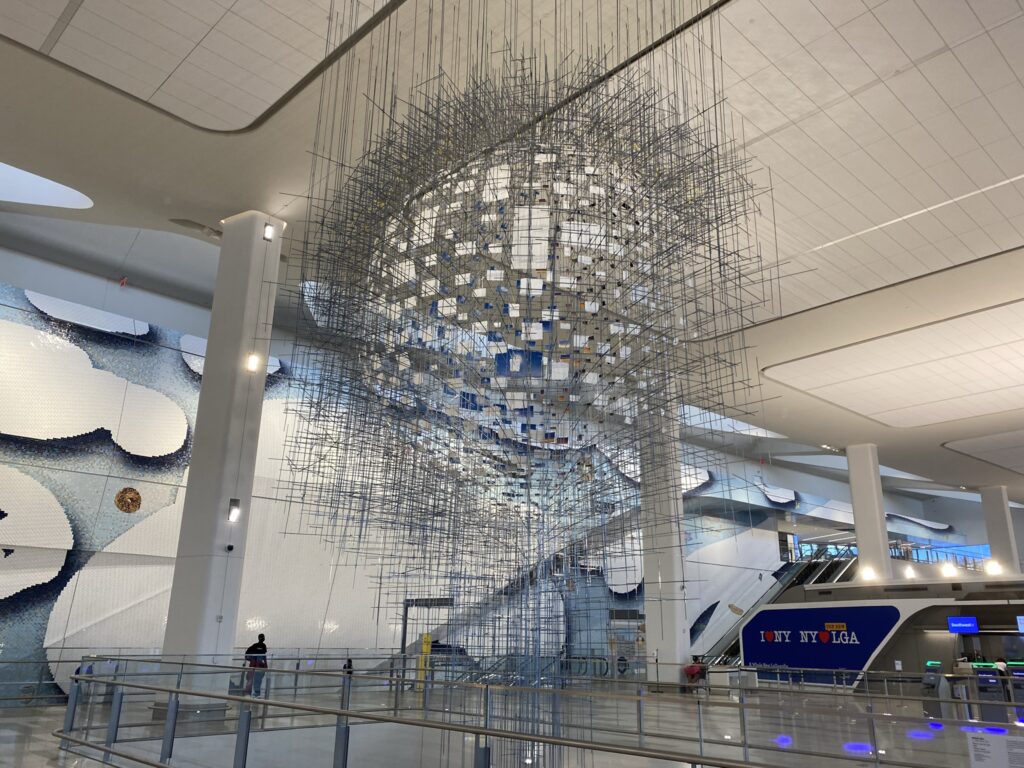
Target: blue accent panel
[(821, 638)]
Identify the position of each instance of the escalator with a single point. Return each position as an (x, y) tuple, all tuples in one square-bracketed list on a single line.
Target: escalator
[(820, 567), (727, 649)]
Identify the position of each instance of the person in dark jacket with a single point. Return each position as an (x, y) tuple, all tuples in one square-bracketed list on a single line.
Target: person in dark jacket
[(256, 656)]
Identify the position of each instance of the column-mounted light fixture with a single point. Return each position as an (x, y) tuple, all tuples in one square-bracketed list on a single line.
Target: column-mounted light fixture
[(268, 232), (234, 510), (252, 363)]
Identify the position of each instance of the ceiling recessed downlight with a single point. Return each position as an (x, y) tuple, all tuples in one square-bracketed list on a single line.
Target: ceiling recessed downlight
[(18, 186)]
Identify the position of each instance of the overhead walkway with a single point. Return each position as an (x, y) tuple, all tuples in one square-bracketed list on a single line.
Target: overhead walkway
[(159, 714)]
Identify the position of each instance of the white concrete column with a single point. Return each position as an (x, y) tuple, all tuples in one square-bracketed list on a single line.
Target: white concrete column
[(868, 511), (995, 505), (207, 576), (661, 515)]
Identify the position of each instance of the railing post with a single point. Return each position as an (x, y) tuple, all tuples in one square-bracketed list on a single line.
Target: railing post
[(69, 713), (482, 756), (115, 719), (341, 736), (743, 726), (242, 739), (556, 712), (342, 731), (640, 714), (482, 751), (700, 727), (398, 683), (873, 734), (167, 747)]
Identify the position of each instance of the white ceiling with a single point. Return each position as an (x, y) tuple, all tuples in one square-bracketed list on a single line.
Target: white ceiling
[(966, 366), (881, 123), (216, 63), (1004, 449)]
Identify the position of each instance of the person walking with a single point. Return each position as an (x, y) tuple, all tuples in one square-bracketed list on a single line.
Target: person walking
[(256, 656)]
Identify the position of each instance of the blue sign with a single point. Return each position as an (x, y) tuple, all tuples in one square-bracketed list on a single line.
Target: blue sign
[(963, 625), (844, 637)]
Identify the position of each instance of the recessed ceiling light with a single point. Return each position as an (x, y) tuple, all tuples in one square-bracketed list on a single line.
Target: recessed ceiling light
[(19, 186)]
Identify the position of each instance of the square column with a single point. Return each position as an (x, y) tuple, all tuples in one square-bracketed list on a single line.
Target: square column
[(1002, 543), (868, 511), (667, 633), (203, 608)]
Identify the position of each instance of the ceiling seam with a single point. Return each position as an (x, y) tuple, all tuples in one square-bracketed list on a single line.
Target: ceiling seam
[(198, 43), (60, 26)]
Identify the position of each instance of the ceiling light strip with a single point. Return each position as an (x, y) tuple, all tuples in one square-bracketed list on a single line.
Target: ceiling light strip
[(930, 208)]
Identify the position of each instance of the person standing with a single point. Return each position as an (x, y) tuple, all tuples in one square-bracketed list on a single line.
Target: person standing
[(256, 656)]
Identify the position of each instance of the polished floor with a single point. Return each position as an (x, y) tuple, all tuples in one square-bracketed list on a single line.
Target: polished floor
[(781, 728), (25, 740)]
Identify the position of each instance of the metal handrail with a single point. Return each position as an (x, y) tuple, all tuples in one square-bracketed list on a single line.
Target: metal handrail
[(571, 692), (475, 730)]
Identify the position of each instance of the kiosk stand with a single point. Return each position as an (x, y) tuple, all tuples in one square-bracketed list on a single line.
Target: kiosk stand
[(990, 689), (936, 692)]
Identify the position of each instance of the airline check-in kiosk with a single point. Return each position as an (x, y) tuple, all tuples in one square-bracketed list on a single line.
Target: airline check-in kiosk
[(936, 692), (991, 688), (1015, 669)]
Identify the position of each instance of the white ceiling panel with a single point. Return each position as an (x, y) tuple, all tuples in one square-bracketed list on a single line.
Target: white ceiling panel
[(966, 366), (893, 131), (216, 63), (29, 21), (1005, 449)]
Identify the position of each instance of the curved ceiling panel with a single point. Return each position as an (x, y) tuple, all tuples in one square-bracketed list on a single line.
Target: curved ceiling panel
[(20, 186)]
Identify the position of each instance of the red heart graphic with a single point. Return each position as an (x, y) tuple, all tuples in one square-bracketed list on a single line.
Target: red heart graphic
[(769, 636), (824, 636)]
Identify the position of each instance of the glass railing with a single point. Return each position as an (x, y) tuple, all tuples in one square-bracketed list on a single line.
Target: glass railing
[(149, 713), (42, 680)]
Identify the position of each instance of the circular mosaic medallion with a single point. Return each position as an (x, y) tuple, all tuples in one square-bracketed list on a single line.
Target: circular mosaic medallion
[(128, 500)]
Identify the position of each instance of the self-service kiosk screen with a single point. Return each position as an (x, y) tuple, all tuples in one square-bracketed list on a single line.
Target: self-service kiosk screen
[(963, 625)]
